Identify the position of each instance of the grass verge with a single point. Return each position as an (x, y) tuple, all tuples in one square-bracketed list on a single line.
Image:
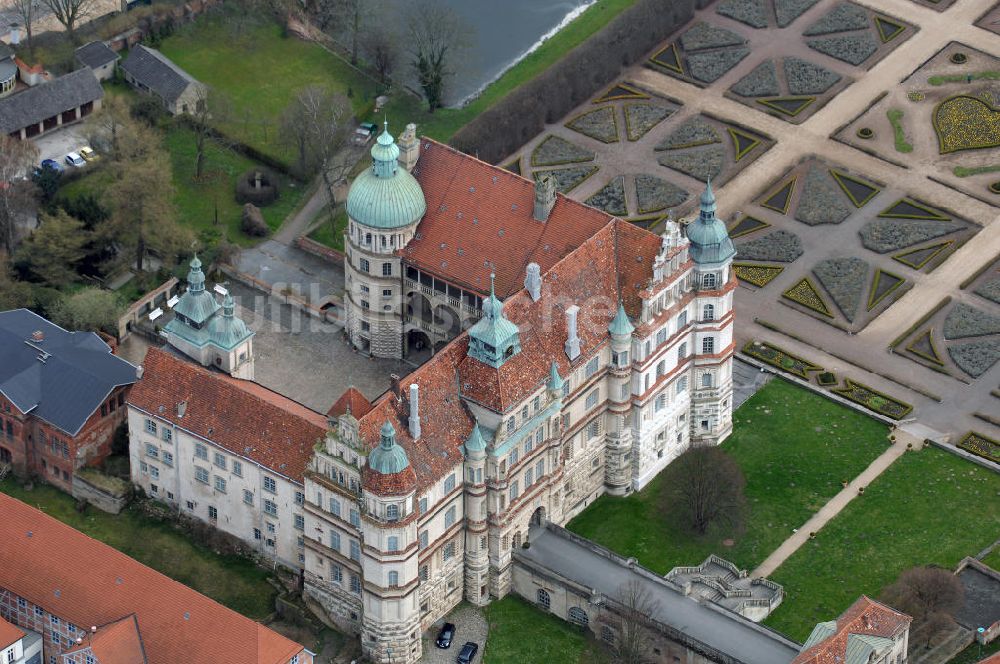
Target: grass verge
[(521, 633), (331, 235), (966, 171), (794, 447), (898, 133)]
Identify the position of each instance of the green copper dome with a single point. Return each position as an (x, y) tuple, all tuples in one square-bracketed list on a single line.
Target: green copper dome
[(196, 305), (620, 325), (386, 196), (388, 458), (710, 242), (227, 331)]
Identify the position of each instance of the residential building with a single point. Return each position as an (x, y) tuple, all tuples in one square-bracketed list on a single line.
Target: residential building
[(50, 105), (869, 632), (8, 70), (99, 57), (228, 452), (590, 379), (62, 395), (150, 72), (18, 646), (209, 333), (92, 604)]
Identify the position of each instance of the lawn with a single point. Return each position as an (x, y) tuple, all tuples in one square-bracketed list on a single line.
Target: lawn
[(929, 507), (795, 447), (993, 559), (521, 633), (260, 70), (331, 235), (234, 582)]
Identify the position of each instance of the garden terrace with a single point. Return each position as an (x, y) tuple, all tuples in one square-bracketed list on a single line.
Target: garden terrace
[(917, 512), (794, 447)]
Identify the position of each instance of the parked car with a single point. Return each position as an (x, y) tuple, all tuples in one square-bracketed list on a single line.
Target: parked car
[(88, 153), (50, 163), (468, 653), (73, 159), (445, 636)]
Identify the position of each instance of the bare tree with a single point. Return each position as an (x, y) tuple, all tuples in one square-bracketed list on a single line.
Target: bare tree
[(69, 12), (380, 46), (16, 194), (437, 37), (211, 108), (708, 489), (930, 595), (633, 642), (27, 11)]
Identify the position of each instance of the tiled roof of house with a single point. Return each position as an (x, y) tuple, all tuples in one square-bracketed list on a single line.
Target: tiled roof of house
[(89, 583), (992, 659), (116, 643), (157, 72), (61, 378), (479, 220), (44, 101), (861, 628), (95, 54), (9, 634), (352, 400), (244, 417), (615, 263)]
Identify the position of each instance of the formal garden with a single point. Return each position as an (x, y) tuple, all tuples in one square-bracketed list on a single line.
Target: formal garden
[(928, 508), (796, 450), (860, 243)]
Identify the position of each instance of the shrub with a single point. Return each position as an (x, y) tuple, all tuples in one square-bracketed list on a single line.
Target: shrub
[(148, 109), (827, 378), (253, 223), (873, 400), (781, 359), (866, 133), (258, 186)]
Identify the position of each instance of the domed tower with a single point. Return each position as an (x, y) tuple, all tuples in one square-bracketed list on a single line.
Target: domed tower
[(619, 459), (477, 556), (384, 206), (714, 283)]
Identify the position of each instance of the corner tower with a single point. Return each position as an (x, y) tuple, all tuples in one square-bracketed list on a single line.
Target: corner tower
[(384, 206)]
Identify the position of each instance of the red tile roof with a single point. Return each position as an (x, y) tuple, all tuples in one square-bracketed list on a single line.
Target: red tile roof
[(242, 416), (351, 400), (9, 634), (116, 643), (88, 583), (614, 263), (865, 616), (477, 212), (993, 659)]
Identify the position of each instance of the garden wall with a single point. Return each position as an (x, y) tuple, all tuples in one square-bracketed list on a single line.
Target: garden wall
[(316, 249), (572, 80), (108, 494)]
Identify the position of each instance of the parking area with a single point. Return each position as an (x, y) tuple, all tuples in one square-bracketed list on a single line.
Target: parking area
[(470, 625), (57, 144)]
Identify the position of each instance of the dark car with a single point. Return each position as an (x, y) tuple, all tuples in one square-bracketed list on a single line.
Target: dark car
[(51, 163), (445, 636), (468, 653)]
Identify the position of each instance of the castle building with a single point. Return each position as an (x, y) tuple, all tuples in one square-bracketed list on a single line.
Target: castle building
[(209, 333), (594, 353), (868, 631)]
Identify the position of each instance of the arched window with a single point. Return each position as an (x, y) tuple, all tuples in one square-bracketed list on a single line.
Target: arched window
[(708, 312), (706, 380), (661, 369), (682, 351), (682, 385), (393, 543), (392, 512), (661, 402), (368, 238), (578, 616), (708, 281), (393, 579), (544, 600)]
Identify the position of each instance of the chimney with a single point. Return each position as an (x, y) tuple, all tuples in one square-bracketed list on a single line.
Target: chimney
[(415, 411), (572, 341), (182, 408), (409, 147), (394, 384), (545, 197), (533, 281), (138, 372), (15, 34)]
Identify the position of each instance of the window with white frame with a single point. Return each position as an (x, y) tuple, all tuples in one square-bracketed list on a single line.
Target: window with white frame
[(592, 399), (270, 507), (150, 426), (449, 484), (449, 517), (393, 579), (334, 506), (270, 484), (682, 351), (449, 550), (594, 428), (168, 458), (661, 336), (335, 540), (338, 574), (706, 380), (213, 514), (154, 472), (708, 281), (661, 369), (201, 474), (355, 550), (708, 312), (200, 451), (540, 468), (393, 543), (237, 468), (660, 403), (248, 496), (682, 384), (355, 584), (299, 522), (220, 484), (592, 367), (513, 457), (300, 498), (392, 512), (529, 478), (152, 450), (168, 435), (422, 539), (423, 505), (513, 491), (355, 518), (219, 459), (682, 319), (708, 345)]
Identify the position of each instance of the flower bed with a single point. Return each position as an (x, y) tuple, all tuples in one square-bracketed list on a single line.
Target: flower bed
[(822, 201), (702, 36), (641, 118), (781, 359), (781, 246), (805, 293), (980, 445), (895, 117), (918, 258), (858, 190), (884, 235), (611, 198), (923, 347), (599, 124), (758, 275), (787, 11), (966, 123), (806, 78), (977, 357), (691, 133), (655, 194), (965, 321), (843, 17), (747, 225), (710, 66), (567, 179), (853, 49), (844, 279), (873, 399), (761, 82), (990, 290), (751, 12), (826, 379), (883, 285), (554, 151), (701, 164)]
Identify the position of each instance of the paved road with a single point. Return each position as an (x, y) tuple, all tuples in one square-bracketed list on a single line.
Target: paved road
[(717, 628)]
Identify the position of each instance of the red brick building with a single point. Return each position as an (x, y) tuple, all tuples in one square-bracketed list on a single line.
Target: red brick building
[(62, 396)]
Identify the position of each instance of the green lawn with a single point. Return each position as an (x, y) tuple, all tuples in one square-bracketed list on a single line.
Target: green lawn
[(260, 70), (331, 235), (929, 507), (795, 448), (993, 559), (976, 653), (521, 633), (235, 582)]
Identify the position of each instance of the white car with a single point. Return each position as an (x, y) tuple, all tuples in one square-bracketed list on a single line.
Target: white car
[(74, 159)]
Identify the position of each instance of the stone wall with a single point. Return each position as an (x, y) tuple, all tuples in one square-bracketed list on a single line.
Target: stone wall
[(108, 494)]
